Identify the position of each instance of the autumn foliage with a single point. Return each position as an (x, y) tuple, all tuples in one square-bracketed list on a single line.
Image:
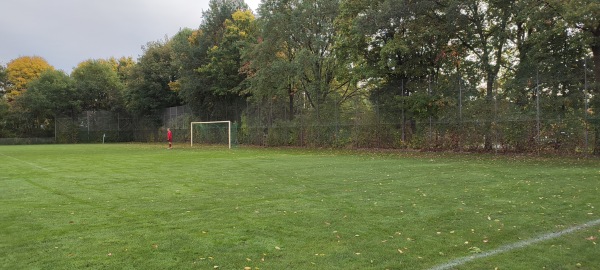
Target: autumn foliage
[(23, 70)]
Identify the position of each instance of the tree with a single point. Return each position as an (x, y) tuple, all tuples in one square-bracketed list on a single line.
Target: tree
[(483, 29), (547, 53), (4, 116), (272, 73), (121, 66), (398, 49), (583, 16), (148, 85), (3, 81), (21, 71), (188, 56), (98, 85), (52, 95), (222, 71), (48, 97), (296, 52), (216, 49)]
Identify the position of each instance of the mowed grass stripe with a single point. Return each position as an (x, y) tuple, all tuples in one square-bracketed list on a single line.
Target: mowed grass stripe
[(142, 206)]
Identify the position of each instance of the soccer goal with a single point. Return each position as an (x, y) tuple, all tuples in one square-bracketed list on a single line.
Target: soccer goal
[(214, 132)]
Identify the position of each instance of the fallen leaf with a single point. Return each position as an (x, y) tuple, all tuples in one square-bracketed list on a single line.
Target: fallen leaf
[(591, 238), (475, 250)]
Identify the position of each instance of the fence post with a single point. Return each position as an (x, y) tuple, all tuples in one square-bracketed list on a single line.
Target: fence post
[(537, 101), (55, 127), (585, 97), (460, 125), (403, 116)]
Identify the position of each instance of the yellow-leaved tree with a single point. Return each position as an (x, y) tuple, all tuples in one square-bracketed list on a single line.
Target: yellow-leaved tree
[(21, 71)]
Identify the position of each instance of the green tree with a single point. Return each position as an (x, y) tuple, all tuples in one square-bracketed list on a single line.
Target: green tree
[(122, 66), (272, 72), (222, 71), (210, 76), (188, 56), (296, 54), (400, 50), (546, 53), (583, 16), (483, 30), (52, 95), (4, 118), (98, 85), (3, 81), (149, 82)]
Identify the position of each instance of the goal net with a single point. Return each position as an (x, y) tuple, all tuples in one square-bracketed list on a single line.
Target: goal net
[(211, 133)]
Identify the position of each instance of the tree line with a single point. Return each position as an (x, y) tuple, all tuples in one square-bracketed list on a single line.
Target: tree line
[(304, 59)]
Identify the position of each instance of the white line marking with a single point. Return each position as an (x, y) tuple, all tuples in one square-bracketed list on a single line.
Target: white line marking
[(510, 247), (28, 163)]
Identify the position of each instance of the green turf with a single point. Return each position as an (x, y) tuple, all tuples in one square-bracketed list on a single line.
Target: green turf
[(135, 206)]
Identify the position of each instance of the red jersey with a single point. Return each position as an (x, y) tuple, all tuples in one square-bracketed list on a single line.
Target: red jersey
[(169, 135)]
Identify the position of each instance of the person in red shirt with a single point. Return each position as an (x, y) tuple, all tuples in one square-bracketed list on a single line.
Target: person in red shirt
[(170, 138)]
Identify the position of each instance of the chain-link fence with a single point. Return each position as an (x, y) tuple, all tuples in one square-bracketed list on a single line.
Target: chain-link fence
[(103, 126), (473, 124), (560, 124)]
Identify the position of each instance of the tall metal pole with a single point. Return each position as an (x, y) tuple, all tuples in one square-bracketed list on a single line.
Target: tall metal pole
[(585, 97), (460, 125), (460, 99), (495, 117), (537, 101), (403, 120), (55, 128), (430, 117), (88, 126)]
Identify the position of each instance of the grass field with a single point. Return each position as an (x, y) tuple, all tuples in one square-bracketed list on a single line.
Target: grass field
[(137, 206)]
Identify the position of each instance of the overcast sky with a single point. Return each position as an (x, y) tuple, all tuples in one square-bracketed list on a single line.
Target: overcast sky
[(67, 32)]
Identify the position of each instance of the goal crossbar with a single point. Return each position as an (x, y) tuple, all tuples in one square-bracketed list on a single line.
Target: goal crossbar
[(211, 122)]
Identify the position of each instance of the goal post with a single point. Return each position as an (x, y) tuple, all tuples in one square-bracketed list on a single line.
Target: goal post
[(211, 123)]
